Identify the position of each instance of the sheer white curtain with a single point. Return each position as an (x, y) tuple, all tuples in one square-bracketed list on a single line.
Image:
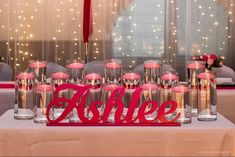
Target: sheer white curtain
[(139, 33), (52, 30), (171, 30)]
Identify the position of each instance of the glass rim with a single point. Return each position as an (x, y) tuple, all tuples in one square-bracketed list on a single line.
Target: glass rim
[(113, 63), (131, 76), (180, 88), (153, 64), (195, 64), (207, 75), (37, 64), (149, 86), (25, 75), (169, 75), (111, 87), (43, 88), (75, 65), (92, 76), (59, 75)]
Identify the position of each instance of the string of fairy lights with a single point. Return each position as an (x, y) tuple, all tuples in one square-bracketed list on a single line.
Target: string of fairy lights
[(138, 31), (209, 27), (145, 33)]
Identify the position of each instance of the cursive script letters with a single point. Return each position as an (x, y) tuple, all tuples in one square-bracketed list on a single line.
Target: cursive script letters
[(79, 100)]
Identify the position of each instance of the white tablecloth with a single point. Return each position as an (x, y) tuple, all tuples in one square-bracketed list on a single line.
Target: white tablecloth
[(199, 138)]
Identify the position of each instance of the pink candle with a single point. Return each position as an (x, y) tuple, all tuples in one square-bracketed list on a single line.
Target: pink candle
[(195, 66), (60, 75), (131, 76), (113, 65), (44, 87), (92, 76), (25, 75), (37, 64), (111, 87), (169, 77), (75, 66), (149, 87), (180, 89), (206, 75), (152, 65)]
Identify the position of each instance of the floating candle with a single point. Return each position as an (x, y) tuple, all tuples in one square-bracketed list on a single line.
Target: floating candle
[(149, 86), (44, 87), (37, 64), (169, 76), (152, 64), (196, 65), (206, 75), (75, 66), (111, 87), (180, 89), (131, 76), (25, 75), (113, 65), (92, 76), (60, 75)]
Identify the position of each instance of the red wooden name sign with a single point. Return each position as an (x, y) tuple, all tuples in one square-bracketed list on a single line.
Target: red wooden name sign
[(114, 100)]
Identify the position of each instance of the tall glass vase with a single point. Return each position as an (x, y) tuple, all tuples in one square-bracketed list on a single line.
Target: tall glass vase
[(207, 97), (194, 68)]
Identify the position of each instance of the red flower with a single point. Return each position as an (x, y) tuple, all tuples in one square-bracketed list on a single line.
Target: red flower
[(213, 56), (200, 58), (205, 57), (210, 61), (220, 63)]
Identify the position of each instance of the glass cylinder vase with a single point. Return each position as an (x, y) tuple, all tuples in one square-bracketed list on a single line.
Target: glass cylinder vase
[(180, 94), (193, 69), (38, 68), (58, 79), (24, 94), (130, 81), (106, 93), (150, 92), (168, 80), (152, 71), (43, 96), (207, 97), (75, 68), (113, 71), (95, 81), (76, 71)]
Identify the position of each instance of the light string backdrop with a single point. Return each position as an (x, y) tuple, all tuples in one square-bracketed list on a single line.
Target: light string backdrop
[(52, 30)]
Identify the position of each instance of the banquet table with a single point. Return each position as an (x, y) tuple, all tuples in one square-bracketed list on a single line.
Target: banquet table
[(23, 138), (225, 101)]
